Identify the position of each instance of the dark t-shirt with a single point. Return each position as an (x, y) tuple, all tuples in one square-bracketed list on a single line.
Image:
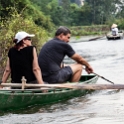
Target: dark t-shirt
[(21, 64), (52, 55)]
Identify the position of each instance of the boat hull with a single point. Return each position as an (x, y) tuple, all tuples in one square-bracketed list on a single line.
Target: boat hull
[(109, 36), (11, 100)]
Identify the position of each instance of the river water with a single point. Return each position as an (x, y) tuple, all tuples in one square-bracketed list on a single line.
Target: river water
[(99, 107)]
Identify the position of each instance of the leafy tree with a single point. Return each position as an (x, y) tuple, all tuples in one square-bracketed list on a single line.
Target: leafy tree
[(85, 17), (42, 4), (27, 9), (66, 7), (103, 10), (58, 11)]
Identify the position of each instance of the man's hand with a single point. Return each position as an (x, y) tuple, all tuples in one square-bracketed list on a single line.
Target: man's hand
[(89, 69)]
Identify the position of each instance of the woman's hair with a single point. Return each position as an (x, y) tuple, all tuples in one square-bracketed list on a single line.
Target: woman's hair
[(17, 45), (63, 30)]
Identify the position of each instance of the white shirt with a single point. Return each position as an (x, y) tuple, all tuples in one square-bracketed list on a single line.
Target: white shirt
[(114, 31)]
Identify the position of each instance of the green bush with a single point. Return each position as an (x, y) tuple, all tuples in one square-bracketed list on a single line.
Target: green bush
[(89, 30)]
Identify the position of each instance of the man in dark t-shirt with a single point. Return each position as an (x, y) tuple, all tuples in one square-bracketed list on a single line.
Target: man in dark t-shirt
[(51, 57)]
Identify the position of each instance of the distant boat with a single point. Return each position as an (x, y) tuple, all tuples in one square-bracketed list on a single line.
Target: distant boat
[(120, 35)]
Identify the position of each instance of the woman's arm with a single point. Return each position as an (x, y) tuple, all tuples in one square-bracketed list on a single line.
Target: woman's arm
[(36, 68), (6, 72)]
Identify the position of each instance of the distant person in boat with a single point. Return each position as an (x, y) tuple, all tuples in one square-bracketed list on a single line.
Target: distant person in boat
[(23, 61), (114, 30), (51, 59)]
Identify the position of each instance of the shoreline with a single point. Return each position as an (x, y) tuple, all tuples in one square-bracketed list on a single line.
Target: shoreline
[(76, 39)]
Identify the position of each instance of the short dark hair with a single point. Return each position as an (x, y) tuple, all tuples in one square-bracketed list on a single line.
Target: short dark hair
[(63, 30)]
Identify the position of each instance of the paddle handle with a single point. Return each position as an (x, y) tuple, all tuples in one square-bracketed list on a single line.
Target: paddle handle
[(103, 78)]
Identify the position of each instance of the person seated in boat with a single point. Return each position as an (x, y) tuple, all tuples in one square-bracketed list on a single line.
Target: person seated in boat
[(52, 54), (23, 61), (114, 30)]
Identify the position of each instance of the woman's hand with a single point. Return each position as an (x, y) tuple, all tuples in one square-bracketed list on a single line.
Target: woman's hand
[(1, 87)]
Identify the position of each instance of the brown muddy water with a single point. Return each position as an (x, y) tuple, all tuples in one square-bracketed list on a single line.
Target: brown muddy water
[(99, 107)]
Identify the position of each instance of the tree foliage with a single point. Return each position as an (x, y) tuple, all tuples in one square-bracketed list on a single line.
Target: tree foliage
[(66, 12), (104, 10), (27, 9)]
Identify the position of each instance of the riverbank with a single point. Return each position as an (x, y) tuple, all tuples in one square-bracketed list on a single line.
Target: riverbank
[(78, 39), (89, 30)]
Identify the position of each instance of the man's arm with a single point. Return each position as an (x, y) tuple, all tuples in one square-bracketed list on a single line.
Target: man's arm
[(79, 59)]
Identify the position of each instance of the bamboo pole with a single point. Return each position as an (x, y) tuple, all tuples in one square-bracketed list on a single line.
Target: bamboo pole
[(69, 85), (75, 85)]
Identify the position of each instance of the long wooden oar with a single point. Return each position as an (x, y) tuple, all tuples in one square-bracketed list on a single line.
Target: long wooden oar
[(99, 86), (36, 85), (70, 85), (103, 78)]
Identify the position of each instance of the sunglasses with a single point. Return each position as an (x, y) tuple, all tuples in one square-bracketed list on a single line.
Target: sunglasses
[(28, 38)]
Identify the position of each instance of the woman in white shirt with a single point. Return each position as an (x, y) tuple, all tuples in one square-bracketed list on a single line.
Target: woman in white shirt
[(114, 30)]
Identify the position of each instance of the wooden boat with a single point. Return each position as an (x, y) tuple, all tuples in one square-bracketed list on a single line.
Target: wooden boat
[(12, 99), (120, 35)]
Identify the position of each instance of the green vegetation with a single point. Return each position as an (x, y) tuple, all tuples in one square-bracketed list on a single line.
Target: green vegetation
[(89, 30), (42, 17), (21, 16), (94, 12)]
